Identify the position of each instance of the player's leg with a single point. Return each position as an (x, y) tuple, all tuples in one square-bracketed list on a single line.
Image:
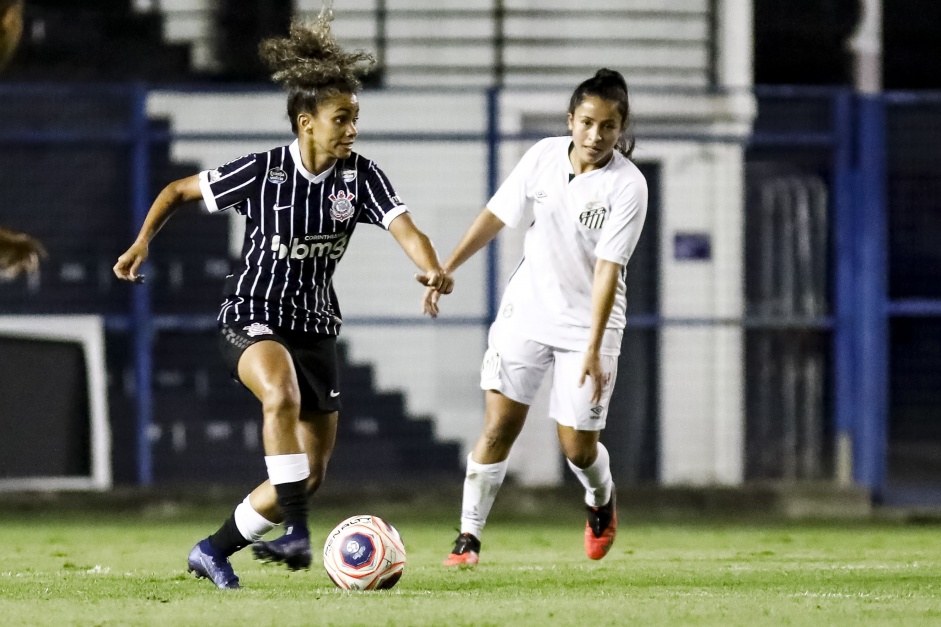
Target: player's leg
[(512, 371), (580, 422), (259, 512), (317, 432), (486, 469), (266, 368)]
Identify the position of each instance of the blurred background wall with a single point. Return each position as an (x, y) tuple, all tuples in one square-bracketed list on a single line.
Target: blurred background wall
[(782, 301)]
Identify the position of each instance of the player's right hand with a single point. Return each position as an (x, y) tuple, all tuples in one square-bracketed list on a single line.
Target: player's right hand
[(430, 302), (128, 264)]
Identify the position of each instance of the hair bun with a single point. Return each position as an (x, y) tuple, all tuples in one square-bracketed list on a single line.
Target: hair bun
[(611, 76)]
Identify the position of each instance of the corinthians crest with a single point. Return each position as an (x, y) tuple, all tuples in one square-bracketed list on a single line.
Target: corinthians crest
[(593, 216), (342, 207)]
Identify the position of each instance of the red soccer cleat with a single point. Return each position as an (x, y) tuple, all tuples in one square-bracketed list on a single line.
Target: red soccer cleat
[(466, 551), (600, 529)]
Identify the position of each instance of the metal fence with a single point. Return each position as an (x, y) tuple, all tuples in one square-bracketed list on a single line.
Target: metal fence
[(842, 300)]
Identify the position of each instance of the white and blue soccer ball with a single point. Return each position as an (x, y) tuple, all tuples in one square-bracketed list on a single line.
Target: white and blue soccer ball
[(364, 553)]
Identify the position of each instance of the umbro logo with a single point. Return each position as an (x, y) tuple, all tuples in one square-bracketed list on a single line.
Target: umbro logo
[(540, 195)]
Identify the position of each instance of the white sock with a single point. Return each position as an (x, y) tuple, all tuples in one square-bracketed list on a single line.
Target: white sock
[(287, 468), (252, 525), (596, 478), (481, 484)]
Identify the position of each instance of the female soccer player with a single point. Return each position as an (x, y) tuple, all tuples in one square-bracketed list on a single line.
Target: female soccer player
[(280, 317), (585, 203)]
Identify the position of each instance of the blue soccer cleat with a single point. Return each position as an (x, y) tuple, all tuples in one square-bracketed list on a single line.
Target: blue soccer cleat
[(292, 549), (207, 564)]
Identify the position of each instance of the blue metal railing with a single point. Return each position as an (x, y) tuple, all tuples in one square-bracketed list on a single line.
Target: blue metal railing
[(861, 312)]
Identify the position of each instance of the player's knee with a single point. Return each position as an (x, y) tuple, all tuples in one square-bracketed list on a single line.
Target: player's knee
[(282, 400), (582, 458), (315, 480)]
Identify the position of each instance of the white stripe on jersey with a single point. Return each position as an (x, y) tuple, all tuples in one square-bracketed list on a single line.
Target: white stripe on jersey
[(314, 241), (225, 176)]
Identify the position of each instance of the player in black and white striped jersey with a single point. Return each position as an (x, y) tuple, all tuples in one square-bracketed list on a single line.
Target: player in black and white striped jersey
[(280, 316)]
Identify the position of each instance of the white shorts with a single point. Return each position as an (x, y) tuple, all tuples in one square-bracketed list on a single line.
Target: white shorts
[(515, 366)]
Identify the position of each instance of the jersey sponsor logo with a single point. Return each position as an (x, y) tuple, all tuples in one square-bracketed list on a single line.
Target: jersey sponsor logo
[(593, 216), (342, 207), (349, 176), (332, 245), (277, 176), (257, 328)]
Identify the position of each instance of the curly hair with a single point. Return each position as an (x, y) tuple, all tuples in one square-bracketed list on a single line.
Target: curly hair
[(311, 66)]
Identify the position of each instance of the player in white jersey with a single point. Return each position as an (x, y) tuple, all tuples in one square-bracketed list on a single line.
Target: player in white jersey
[(584, 202), (280, 317)]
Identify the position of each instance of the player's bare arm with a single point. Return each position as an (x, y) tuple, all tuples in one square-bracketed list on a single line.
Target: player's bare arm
[(422, 252), (19, 253), (603, 292), (485, 227), (11, 28), (166, 203)]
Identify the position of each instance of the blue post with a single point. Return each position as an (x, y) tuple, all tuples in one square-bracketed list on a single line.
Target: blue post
[(872, 434), (141, 312), (493, 175), (844, 336)]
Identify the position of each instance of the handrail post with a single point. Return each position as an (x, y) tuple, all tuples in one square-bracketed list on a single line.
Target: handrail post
[(141, 309)]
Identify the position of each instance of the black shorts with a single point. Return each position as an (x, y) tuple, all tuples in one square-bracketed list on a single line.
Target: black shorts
[(314, 357)]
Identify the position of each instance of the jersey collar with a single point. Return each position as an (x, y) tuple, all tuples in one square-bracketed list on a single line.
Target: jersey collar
[(295, 151)]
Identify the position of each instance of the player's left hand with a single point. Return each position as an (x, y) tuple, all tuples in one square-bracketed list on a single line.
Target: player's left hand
[(437, 279), (591, 368)]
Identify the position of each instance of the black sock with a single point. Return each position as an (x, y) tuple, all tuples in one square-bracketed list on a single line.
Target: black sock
[(228, 539), (292, 499)]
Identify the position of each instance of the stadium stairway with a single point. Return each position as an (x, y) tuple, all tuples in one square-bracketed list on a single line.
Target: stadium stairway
[(207, 427)]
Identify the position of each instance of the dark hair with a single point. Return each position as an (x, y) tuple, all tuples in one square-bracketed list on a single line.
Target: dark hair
[(608, 85), (312, 67)]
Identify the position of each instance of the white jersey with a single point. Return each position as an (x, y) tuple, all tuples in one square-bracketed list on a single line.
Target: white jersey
[(576, 220)]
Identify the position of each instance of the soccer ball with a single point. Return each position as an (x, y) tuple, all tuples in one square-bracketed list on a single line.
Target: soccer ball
[(364, 553)]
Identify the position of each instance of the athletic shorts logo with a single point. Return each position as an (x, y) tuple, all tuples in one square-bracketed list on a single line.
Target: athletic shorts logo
[(257, 328), (490, 369), (593, 216), (342, 207), (334, 394), (540, 195), (349, 176), (277, 176), (508, 310)]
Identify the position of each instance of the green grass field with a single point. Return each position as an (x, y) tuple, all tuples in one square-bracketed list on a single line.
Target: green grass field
[(79, 568)]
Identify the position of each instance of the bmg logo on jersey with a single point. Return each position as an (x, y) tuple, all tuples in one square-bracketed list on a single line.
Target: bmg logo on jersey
[(331, 245)]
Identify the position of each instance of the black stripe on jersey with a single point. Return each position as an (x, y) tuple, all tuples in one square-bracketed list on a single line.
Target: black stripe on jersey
[(294, 239)]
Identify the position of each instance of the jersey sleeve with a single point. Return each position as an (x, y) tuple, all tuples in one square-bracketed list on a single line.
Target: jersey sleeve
[(380, 204), (231, 186), (622, 228), (511, 200)]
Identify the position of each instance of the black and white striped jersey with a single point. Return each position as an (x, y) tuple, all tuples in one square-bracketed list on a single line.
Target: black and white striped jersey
[(298, 228)]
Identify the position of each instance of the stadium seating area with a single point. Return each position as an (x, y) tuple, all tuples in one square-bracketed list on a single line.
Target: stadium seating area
[(206, 427)]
